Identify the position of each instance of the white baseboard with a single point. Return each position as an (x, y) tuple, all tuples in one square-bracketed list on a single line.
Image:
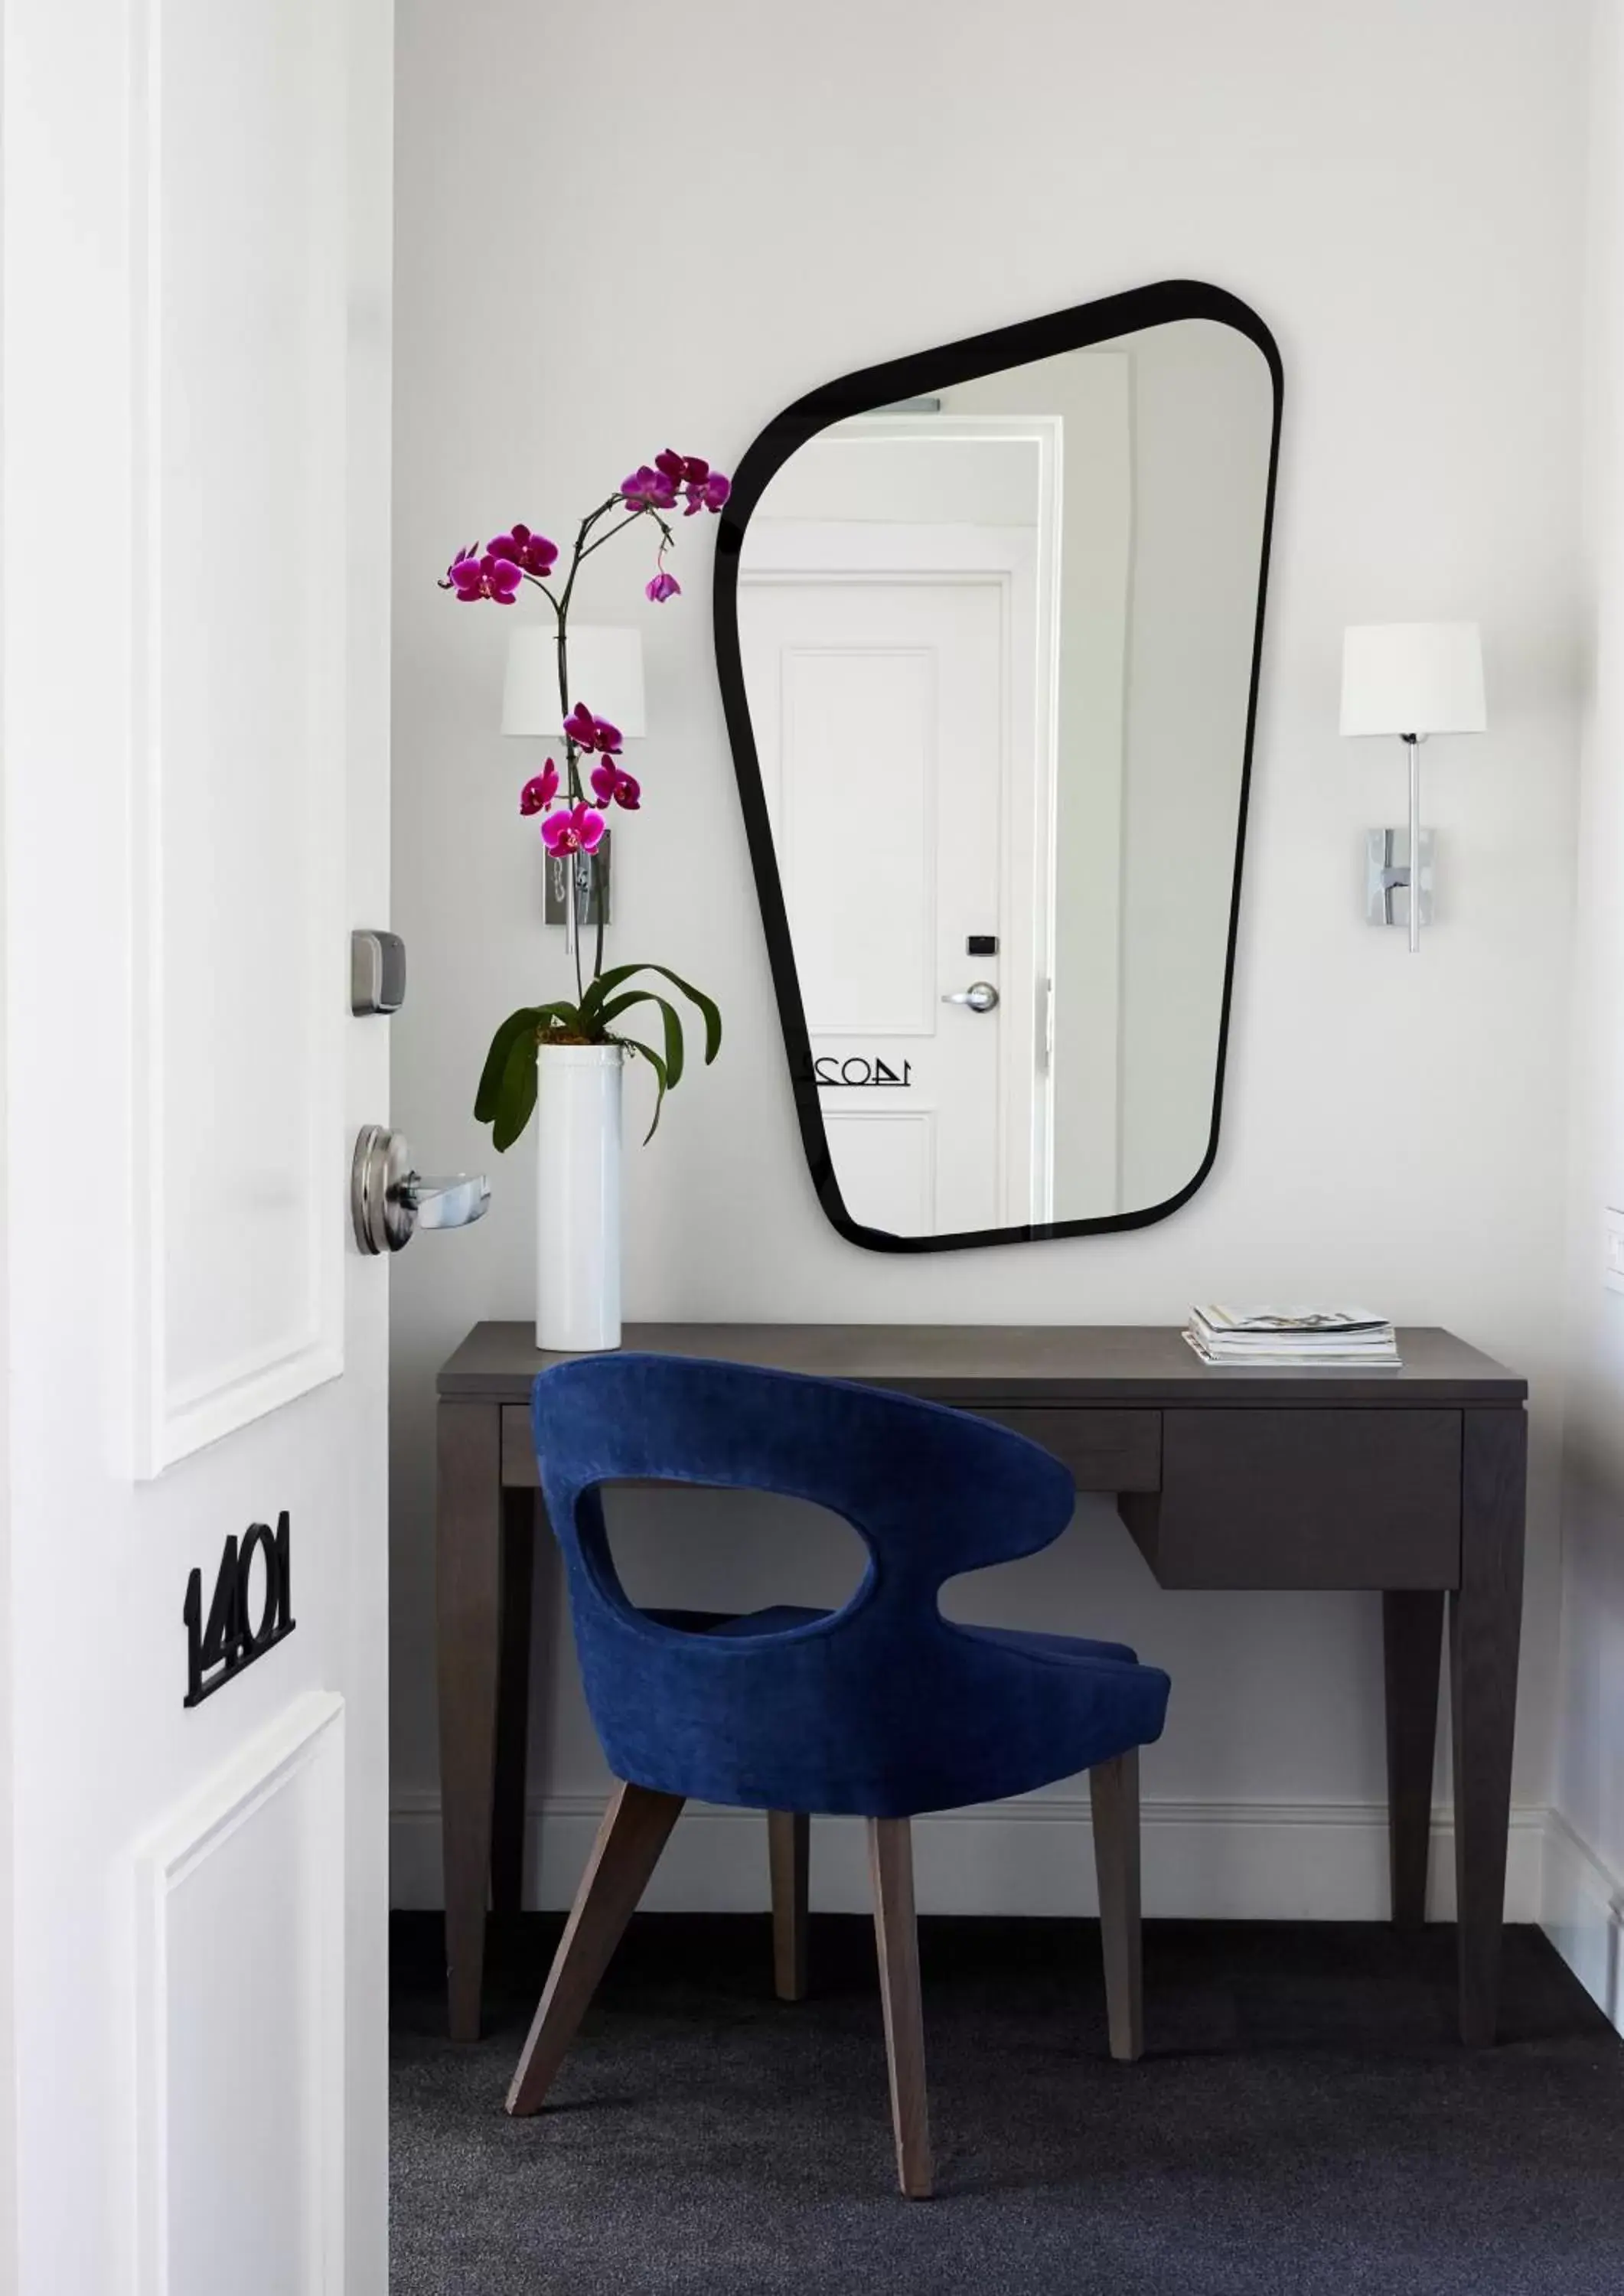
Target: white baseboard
[(1216, 1861), (1584, 1915)]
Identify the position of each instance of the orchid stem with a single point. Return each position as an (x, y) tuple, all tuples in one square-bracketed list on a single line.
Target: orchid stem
[(613, 531), (587, 867), (579, 551)]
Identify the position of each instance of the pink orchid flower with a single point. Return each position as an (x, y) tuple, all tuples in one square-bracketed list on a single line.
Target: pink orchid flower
[(473, 577), (539, 791), (522, 548), (590, 733), (649, 489), (709, 493), (612, 785), (706, 489), (664, 585), (580, 830)]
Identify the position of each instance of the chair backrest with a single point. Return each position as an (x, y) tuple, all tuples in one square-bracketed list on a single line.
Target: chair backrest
[(832, 1714)]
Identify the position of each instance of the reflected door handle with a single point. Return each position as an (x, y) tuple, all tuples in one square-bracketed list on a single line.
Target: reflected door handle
[(980, 996), (388, 1202)]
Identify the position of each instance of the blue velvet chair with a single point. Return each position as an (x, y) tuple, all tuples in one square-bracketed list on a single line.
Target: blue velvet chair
[(879, 1709)]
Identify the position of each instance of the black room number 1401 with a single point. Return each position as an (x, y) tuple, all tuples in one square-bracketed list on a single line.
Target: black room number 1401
[(218, 1647)]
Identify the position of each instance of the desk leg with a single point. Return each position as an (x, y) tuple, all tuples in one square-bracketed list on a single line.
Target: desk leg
[(521, 1528), (1412, 1640), (1485, 1616), (468, 1539)]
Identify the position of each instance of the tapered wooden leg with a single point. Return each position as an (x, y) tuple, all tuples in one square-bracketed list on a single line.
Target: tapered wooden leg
[(468, 1612), (1412, 1643), (521, 1528), (1113, 1791), (1485, 1619), (788, 1849), (891, 1857), (627, 1848)]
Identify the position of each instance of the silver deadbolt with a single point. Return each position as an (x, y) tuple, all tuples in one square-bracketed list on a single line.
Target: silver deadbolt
[(388, 1202), (377, 971), (980, 996)]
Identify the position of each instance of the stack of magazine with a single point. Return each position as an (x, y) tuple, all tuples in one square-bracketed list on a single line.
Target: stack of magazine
[(1327, 1339)]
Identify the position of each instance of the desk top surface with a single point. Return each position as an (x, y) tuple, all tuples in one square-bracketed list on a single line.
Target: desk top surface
[(1011, 1363)]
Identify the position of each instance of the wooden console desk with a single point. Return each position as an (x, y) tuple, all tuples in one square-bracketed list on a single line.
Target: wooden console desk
[(1409, 1483)]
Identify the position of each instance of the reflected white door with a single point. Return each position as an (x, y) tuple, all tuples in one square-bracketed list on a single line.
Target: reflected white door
[(884, 714), (196, 795)]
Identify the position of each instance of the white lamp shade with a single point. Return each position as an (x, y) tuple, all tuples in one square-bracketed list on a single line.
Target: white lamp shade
[(605, 672), (1413, 677)]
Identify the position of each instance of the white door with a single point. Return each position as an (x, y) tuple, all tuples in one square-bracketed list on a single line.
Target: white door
[(196, 284), (898, 716), (881, 707)]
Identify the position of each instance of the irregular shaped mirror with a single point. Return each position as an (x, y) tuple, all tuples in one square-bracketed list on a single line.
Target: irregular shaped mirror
[(988, 627)]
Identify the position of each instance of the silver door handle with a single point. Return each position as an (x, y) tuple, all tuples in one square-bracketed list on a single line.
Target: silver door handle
[(980, 996), (455, 1202), (388, 1202)]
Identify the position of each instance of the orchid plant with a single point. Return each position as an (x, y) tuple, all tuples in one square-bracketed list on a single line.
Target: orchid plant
[(573, 822)]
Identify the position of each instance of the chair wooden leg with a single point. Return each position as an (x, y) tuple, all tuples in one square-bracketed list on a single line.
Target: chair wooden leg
[(788, 1849), (1113, 1789), (891, 1857), (634, 1831)]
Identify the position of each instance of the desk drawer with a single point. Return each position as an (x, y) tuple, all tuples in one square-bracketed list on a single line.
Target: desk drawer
[(1105, 1450), (1304, 1498)]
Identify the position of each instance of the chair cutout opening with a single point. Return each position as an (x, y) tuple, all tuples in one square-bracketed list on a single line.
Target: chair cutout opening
[(688, 1555)]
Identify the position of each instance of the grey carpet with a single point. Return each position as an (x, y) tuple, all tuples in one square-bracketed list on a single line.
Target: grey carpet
[(1303, 2123)]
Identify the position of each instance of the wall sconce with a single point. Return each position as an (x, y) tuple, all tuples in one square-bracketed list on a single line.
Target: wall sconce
[(605, 672), (1409, 679)]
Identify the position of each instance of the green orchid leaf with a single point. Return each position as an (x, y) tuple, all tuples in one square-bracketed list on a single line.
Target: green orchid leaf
[(530, 1018), (607, 981), (708, 1011), (592, 1003), (644, 1052), (517, 1096), (486, 1099), (671, 1019)]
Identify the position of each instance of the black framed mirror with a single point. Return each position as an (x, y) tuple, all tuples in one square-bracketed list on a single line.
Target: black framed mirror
[(989, 622)]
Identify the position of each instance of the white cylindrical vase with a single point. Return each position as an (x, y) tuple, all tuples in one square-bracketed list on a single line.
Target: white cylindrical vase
[(577, 1209)]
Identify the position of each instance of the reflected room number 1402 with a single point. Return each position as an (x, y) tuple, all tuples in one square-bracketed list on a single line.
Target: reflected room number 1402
[(857, 1069)]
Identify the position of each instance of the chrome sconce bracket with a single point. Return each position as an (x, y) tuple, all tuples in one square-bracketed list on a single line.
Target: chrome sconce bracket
[(590, 876), (1387, 877)]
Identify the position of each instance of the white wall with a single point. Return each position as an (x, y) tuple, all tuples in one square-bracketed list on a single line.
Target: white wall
[(1397, 188), (1586, 1860)]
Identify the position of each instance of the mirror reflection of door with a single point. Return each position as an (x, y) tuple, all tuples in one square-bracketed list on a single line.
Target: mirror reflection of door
[(998, 647), (888, 657)]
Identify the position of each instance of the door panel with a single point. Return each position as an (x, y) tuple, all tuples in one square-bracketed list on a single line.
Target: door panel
[(887, 1165), (859, 717), (238, 890), (256, 1865)]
